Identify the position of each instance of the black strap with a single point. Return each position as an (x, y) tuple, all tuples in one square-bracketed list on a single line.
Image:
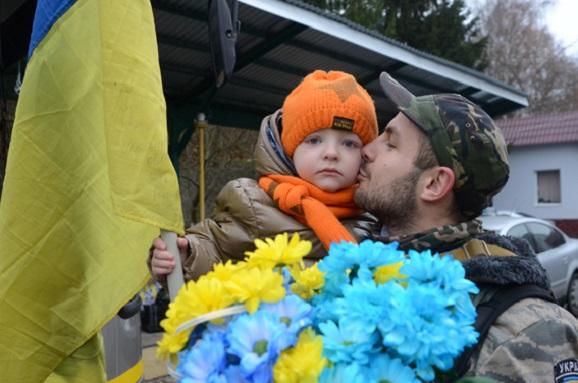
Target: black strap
[(489, 311)]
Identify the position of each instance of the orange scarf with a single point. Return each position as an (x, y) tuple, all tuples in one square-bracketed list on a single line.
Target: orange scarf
[(312, 206)]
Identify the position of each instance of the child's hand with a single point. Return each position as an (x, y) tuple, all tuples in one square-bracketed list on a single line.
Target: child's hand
[(162, 261)]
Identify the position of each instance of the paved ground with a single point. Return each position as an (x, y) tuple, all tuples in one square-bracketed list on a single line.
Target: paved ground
[(155, 370), (161, 379)]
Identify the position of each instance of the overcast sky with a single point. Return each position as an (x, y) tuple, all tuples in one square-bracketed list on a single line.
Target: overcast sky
[(562, 20)]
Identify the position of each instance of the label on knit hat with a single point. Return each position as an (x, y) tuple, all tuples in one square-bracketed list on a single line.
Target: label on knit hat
[(342, 123)]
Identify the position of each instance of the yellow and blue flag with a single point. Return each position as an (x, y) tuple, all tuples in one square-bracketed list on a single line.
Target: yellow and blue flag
[(88, 184)]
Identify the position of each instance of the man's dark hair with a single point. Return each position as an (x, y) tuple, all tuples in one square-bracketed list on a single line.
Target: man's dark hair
[(426, 157)]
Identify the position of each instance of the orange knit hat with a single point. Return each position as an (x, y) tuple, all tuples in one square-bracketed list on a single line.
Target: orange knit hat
[(327, 100)]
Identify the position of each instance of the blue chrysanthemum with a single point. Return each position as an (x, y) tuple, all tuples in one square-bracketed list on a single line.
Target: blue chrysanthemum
[(234, 374), (287, 278), (342, 256), (294, 313), (324, 308), (393, 370), (346, 256), (435, 326), (256, 339), (205, 361), (348, 342), (374, 254), (445, 272), (334, 283), (364, 302), (344, 373)]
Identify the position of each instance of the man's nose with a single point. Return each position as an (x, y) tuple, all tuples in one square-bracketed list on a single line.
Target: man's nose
[(366, 153)]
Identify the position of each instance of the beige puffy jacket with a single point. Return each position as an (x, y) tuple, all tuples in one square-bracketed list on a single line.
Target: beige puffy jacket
[(244, 212)]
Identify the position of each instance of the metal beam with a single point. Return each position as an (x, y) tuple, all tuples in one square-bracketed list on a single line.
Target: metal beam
[(238, 114), (179, 10), (374, 75), (255, 85), (181, 43), (283, 67), (270, 42), (181, 68), (325, 52)]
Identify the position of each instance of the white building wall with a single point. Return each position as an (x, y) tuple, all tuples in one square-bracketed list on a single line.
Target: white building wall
[(521, 191)]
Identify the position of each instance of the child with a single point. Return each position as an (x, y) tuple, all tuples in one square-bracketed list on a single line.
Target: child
[(308, 170)]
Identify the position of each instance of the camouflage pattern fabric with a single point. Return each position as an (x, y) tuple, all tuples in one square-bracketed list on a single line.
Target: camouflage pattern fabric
[(530, 343), (534, 341), (463, 137), (441, 238)]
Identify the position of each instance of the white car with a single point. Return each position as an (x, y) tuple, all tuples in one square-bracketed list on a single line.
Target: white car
[(555, 250)]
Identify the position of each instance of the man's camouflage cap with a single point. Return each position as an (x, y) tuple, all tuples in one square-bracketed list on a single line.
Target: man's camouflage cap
[(463, 137)]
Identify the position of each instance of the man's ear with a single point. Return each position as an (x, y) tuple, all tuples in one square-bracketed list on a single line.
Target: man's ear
[(437, 183)]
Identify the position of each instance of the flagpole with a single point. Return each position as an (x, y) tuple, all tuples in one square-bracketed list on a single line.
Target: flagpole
[(175, 279)]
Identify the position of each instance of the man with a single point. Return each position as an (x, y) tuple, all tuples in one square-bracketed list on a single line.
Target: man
[(427, 178)]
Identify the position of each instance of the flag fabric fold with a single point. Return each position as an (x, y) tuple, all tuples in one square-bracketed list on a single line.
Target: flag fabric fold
[(88, 185)]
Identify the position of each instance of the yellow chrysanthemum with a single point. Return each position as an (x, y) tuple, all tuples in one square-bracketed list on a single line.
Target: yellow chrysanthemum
[(194, 299), (278, 252), (253, 285), (224, 271), (302, 363), (171, 343), (307, 281), (386, 273)]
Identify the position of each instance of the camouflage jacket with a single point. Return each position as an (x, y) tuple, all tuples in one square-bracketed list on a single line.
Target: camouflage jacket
[(534, 340)]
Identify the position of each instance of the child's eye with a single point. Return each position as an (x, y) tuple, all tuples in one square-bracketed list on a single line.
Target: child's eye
[(351, 144), (313, 140)]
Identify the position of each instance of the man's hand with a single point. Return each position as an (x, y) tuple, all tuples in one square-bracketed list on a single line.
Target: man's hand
[(162, 262)]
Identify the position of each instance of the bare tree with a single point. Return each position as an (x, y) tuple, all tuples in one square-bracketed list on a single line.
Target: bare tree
[(523, 53), (228, 155)]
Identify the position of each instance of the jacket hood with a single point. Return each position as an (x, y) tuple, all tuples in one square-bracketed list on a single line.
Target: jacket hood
[(521, 269), (270, 158)]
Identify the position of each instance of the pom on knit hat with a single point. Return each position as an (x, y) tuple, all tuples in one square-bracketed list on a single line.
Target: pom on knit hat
[(327, 100)]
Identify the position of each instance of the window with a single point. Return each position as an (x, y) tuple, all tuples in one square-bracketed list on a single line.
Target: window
[(521, 231), (546, 237), (548, 186)]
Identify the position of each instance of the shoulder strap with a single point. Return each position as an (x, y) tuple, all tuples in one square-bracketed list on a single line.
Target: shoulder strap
[(475, 247), (489, 311)]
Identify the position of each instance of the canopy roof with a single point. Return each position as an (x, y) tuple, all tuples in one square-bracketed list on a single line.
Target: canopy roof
[(283, 40), (279, 43)]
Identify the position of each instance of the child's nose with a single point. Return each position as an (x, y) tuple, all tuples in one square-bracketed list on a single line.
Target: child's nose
[(330, 152)]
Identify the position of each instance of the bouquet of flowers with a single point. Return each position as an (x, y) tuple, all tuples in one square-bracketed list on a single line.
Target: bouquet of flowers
[(365, 313)]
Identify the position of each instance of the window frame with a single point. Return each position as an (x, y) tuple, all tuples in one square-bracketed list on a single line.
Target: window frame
[(537, 201)]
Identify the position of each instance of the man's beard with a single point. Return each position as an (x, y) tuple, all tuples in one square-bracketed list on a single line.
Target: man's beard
[(396, 206)]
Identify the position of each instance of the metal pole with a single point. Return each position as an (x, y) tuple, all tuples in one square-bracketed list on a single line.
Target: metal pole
[(175, 279), (201, 124)]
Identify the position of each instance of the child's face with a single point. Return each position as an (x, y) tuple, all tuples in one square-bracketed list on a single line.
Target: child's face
[(329, 158)]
